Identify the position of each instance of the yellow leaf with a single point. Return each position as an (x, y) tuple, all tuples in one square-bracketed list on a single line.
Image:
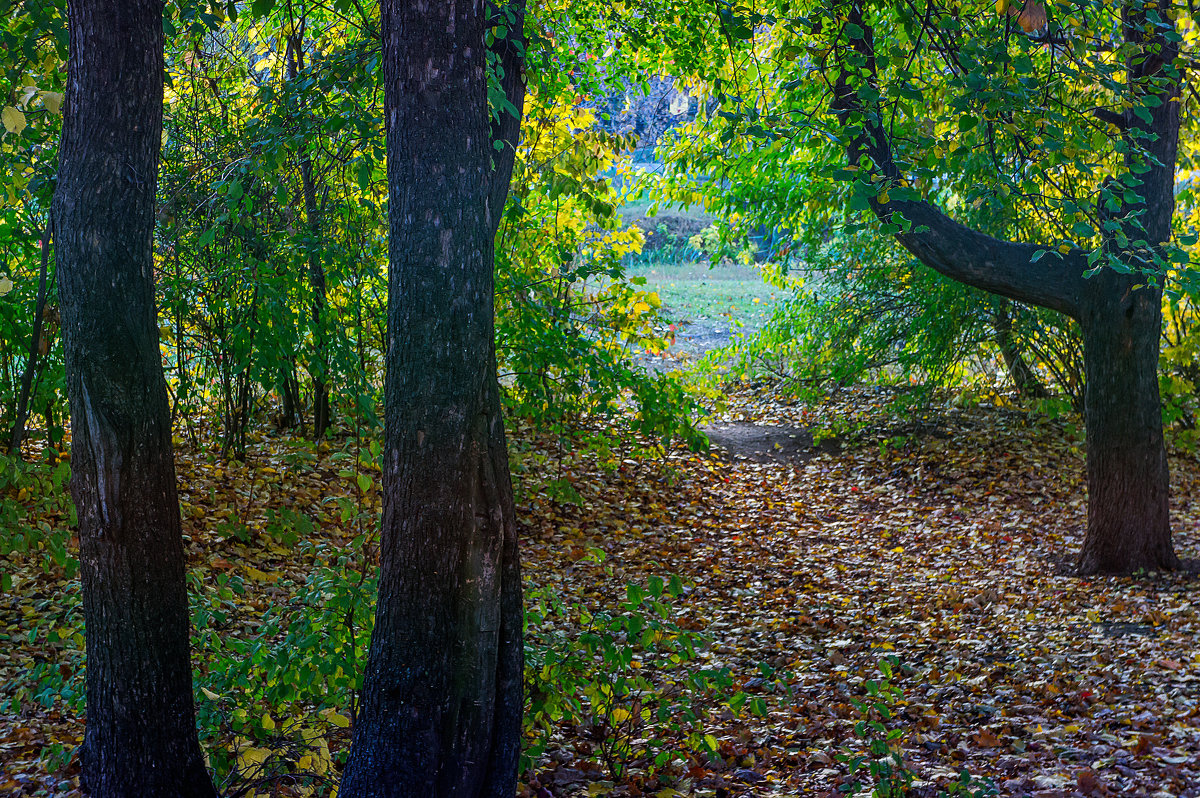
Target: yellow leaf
[(6, 285), (341, 721), (209, 694), (268, 722), (253, 757), (619, 716), (14, 120), (1001, 6), (260, 576), (53, 101)]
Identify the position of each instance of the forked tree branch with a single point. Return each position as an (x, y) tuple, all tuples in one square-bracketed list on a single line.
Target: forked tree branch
[(1005, 268)]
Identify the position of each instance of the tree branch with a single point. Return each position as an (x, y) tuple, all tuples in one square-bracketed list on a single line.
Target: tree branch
[(1005, 268)]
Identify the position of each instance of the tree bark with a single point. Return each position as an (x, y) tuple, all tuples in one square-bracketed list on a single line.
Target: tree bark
[(442, 702), (1129, 524), (1128, 482), (35, 341), (140, 737)]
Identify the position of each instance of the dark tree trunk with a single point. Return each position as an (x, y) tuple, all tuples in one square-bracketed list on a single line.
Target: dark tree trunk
[(141, 736), (290, 411), (1024, 378), (1129, 523), (35, 345), (441, 708), (316, 271), (1128, 482), (1129, 526)]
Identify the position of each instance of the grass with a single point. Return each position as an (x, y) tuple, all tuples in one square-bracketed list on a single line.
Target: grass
[(710, 303)]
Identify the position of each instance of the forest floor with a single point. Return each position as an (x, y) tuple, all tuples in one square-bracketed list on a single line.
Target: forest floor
[(943, 541)]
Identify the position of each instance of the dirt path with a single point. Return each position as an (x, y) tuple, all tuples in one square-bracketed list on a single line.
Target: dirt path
[(763, 443)]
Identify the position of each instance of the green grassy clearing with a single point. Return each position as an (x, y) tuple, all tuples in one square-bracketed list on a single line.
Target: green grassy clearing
[(709, 304)]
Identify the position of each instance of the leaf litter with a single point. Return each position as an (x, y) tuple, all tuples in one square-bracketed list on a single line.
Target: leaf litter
[(943, 541)]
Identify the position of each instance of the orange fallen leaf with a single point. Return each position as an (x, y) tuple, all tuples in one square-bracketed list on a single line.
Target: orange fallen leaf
[(985, 738)]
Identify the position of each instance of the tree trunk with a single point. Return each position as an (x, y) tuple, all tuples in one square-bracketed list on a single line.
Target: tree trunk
[(1024, 378), (316, 271), (442, 700), (1129, 523), (140, 737), (35, 341), (1129, 526), (1128, 481)]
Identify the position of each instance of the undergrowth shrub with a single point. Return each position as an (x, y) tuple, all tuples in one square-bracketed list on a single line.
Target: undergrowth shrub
[(571, 324), (36, 515), (279, 693), (876, 766), (627, 678)]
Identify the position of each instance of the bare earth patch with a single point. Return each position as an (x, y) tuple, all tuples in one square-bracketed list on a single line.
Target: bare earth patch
[(762, 443)]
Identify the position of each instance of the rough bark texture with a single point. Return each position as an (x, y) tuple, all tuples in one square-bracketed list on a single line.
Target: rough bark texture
[(1129, 524), (1128, 482), (442, 693), (141, 737)]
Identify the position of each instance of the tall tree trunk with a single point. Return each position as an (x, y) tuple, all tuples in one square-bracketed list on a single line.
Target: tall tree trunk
[(442, 694), (1129, 523), (316, 271), (35, 342), (507, 21), (141, 736)]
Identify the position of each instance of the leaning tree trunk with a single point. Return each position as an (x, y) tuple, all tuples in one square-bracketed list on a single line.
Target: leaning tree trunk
[(141, 736), (1024, 378), (442, 692)]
